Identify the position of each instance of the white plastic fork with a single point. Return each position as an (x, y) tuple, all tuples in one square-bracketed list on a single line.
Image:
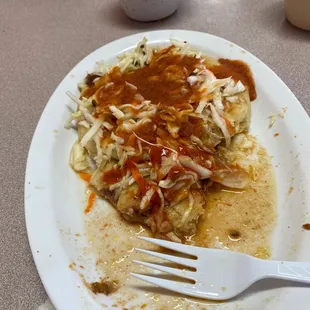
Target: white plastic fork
[(219, 274)]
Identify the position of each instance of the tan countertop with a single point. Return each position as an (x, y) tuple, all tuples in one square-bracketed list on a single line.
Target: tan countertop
[(40, 41)]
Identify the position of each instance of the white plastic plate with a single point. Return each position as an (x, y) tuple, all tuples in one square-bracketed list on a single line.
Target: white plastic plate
[(55, 197)]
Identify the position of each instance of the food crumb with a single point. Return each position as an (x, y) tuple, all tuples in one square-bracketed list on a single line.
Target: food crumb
[(234, 235), (276, 134), (281, 115), (306, 226), (272, 120), (103, 287), (72, 266)]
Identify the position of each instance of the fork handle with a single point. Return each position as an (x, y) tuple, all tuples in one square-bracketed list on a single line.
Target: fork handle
[(293, 271)]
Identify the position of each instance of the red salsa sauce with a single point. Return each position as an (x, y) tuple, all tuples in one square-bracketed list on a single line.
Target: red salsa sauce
[(113, 176), (164, 82), (238, 70)]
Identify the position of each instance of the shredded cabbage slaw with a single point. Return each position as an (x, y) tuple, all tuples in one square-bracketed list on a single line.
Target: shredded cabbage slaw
[(100, 141)]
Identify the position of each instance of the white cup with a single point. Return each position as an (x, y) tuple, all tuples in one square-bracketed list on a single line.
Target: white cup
[(149, 10), (298, 13)]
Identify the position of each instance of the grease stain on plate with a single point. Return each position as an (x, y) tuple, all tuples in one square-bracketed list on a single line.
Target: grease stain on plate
[(237, 220)]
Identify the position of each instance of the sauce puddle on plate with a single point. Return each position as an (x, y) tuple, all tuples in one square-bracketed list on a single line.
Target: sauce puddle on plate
[(237, 220)]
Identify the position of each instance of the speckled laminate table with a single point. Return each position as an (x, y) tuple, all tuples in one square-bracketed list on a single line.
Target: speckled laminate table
[(40, 41)]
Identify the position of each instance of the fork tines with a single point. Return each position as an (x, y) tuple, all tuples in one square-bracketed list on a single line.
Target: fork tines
[(188, 262)]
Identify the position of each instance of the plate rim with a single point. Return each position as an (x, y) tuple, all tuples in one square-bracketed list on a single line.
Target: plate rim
[(33, 151)]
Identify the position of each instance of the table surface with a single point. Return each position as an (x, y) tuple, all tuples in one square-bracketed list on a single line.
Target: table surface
[(40, 41)]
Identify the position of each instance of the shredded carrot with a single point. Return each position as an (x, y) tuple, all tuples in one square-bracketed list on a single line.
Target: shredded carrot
[(229, 126), (85, 176), (90, 202), (132, 140), (143, 184), (206, 97), (203, 90)]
